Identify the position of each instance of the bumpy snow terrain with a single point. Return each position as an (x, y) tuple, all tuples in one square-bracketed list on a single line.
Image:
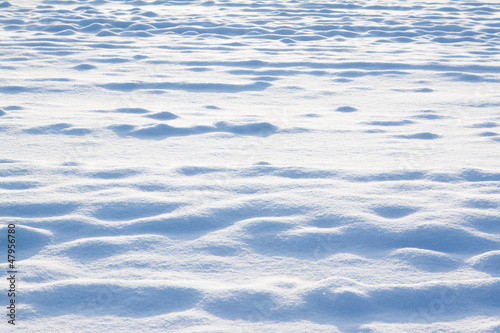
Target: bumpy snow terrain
[(251, 166)]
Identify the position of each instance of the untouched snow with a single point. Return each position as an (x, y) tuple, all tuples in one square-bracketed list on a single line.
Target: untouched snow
[(251, 166)]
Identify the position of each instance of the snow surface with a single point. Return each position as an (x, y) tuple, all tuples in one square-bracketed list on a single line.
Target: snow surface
[(252, 166)]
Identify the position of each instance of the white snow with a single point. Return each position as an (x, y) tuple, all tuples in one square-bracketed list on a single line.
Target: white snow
[(251, 166)]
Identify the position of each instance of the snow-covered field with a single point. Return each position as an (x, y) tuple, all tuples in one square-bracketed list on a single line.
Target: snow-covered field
[(251, 166)]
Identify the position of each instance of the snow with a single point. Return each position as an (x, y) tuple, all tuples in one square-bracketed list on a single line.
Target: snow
[(251, 166)]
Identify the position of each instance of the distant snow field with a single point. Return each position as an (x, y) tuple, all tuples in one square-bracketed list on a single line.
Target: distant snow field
[(250, 166)]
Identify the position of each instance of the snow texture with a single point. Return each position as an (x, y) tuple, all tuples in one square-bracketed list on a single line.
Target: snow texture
[(251, 166)]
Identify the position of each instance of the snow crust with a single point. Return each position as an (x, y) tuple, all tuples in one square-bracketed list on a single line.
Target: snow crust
[(251, 166)]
